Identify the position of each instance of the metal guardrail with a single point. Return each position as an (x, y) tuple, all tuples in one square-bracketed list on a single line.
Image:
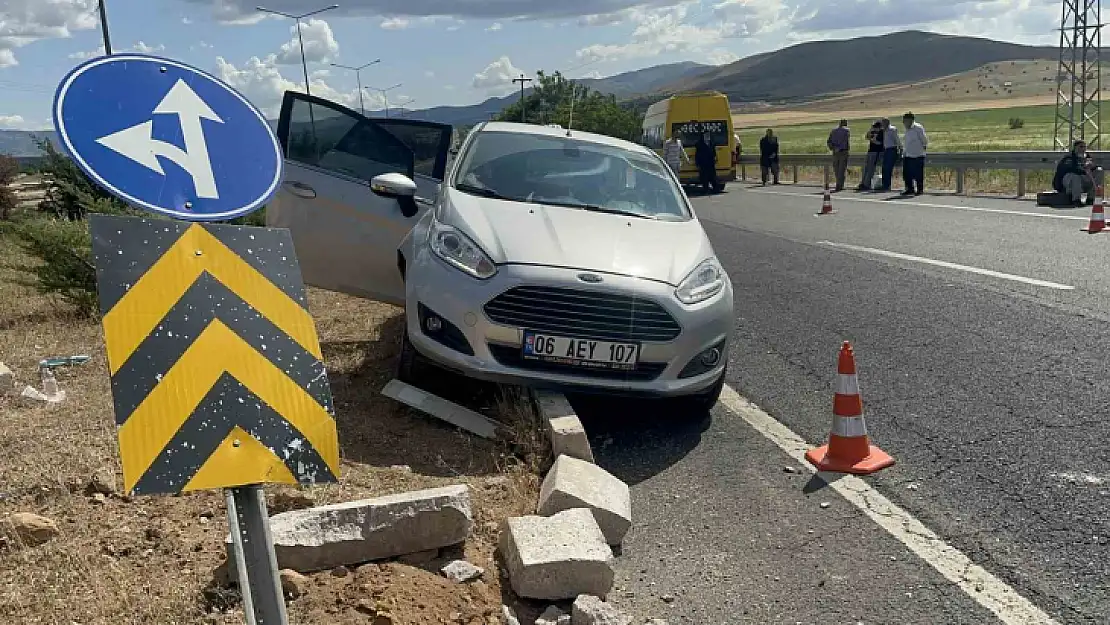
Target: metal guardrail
[(1022, 162)]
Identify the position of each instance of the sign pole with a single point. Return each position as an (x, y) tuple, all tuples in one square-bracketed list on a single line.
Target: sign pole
[(255, 559)]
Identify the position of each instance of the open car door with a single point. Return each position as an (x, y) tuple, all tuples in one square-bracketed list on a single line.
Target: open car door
[(352, 191)]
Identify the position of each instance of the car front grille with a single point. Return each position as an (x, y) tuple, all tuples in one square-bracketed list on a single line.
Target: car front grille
[(511, 357), (583, 314)]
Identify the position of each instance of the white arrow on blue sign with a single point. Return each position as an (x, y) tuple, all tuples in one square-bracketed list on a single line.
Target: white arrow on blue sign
[(167, 137)]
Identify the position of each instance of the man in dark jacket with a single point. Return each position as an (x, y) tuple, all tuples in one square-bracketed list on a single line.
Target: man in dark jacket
[(1073, 175), (705, 157), (769, 156), (874, 155)]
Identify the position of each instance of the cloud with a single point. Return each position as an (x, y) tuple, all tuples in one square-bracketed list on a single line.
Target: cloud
[(429, 74), (720, 56), (494, 27), (261, 81), (25, 21), (234, 11), (395, 23), (320, 45), (661, 31), (497, 76), (140, 47), (187, 21), (11, 121)]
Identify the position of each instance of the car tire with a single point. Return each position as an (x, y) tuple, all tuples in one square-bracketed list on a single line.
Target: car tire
[(701, 403), (412, 367)]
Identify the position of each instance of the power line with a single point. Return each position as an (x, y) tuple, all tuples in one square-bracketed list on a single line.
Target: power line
[(522, 80)]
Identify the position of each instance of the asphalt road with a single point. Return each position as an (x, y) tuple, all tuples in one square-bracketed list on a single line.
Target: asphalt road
[(988, 388)]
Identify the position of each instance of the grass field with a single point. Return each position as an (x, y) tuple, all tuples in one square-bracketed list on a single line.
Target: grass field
[(948, 132)]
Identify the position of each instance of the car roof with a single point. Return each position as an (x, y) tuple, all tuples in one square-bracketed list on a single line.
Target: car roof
[(549, 131)]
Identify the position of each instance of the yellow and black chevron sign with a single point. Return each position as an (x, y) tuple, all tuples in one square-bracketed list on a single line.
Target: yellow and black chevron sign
[(217, 375)]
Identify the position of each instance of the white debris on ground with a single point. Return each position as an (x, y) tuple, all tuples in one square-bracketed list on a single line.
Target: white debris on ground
[(461, 571)]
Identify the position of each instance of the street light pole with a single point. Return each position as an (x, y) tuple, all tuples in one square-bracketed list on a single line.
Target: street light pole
[(104, 28), (402, 105), (522, 80), (300, 38), (385, 98), (358, 77)]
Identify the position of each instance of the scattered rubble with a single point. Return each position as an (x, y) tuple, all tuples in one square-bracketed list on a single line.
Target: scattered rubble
[(574, 483), (508, 616), (553, 616), (591, 610), (568, 437), (322, 538), (293, 584), (461, 571), (7, 379), (557, 557), (102, 482), (31, 529)]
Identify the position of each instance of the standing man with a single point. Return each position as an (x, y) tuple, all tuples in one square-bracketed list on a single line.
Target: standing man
[(769, 156), (705, 157), (675, 155), (874, 154), (913, 161), (840, 142), (891, 145)]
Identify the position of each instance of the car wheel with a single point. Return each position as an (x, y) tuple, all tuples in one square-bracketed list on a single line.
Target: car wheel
[(411, 366), (701, 403)]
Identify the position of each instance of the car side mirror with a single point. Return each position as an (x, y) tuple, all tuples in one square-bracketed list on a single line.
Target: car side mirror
[(399, 187), (393, 185)]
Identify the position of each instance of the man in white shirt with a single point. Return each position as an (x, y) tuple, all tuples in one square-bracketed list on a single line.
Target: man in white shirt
[(674, 154), (913, 156), (891, 145)]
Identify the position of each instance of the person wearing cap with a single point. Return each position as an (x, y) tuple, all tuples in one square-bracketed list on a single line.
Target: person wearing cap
[(874, 153), (1073, 175), (913, 155), (839, 144)]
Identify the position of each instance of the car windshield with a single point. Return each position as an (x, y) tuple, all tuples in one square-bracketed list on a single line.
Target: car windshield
[(564, 171)]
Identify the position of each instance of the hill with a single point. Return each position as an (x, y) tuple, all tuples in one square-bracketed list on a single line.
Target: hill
[(21, 143), (811, 70), (623, 86)]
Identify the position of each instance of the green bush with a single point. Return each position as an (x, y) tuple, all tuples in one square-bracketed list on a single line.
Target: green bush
[(1016, 123), (9, 168), (63, 249)]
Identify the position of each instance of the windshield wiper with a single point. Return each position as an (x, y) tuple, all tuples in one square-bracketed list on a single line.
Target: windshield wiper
[(483, 191), (593, 208)]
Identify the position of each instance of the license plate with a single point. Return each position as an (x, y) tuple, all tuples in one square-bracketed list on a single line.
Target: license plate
[(580, 352)]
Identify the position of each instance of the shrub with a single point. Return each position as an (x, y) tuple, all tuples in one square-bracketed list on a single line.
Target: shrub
[(71, 195), (65, 268), (9, 168), (1016, 123)]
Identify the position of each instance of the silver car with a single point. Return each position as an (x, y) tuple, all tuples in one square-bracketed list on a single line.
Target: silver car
[(540, 256)]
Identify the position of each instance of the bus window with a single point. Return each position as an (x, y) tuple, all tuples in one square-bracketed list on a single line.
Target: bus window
[(691, 132)]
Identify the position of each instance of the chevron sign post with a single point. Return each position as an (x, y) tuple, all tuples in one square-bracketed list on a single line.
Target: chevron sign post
[(215, 365)]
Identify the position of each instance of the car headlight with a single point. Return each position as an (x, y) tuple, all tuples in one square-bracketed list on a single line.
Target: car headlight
[(457, 250), (705, 281)]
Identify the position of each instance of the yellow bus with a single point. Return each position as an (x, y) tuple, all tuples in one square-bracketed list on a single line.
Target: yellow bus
[(688, 116)]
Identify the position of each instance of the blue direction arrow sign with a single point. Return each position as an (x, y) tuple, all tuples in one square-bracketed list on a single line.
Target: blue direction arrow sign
[(167, 137)]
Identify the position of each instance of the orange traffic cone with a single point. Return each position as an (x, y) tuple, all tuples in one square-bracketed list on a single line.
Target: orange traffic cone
[(849, 449), (1098, 219), (826, 203)]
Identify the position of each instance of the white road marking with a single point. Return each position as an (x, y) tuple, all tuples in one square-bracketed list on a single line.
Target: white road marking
[(948, 265), (986, 589), (1082, 478), (975, 209)]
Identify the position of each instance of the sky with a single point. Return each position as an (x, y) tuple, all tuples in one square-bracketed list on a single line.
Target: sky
[(454, 52)]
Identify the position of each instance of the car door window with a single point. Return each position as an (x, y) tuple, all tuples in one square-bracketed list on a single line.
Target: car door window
[(429, 141), (329, 136)]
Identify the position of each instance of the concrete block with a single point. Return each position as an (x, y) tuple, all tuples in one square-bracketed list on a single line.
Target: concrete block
[(574, 483), (440, 408), (558, 557), (315, 539), (568, 437), (553, 616), (590, 610), (7, 380)]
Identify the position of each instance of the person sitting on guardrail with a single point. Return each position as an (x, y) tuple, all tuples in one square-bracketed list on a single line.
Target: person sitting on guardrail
[(1074, 175), (769, 156), (874, 153)]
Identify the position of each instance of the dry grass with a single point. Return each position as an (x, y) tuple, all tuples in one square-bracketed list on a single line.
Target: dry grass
[(150, 559)]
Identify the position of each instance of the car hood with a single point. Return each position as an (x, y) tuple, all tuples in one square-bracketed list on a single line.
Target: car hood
[(536, 234)]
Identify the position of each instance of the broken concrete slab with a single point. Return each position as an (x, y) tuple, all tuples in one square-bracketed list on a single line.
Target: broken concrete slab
[(315, 539), (7, 380), (553, 616), (557, 557), (568, 437), (442, 409), (573, 483), (591, 610)]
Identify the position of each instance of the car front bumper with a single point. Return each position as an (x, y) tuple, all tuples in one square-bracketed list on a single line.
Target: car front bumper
[(491, 351)]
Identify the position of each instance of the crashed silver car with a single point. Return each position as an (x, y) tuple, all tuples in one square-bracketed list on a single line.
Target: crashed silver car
[(539, 256)]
